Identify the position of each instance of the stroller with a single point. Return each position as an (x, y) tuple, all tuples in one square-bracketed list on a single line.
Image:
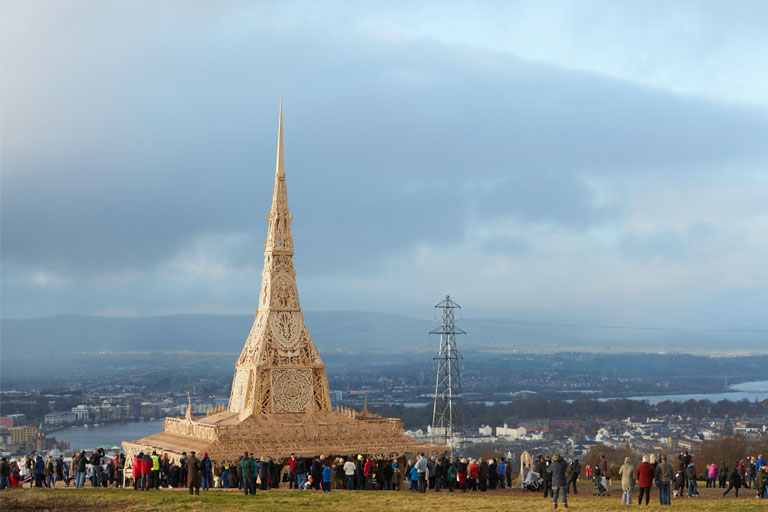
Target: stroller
[(532, 482), (600, 486)]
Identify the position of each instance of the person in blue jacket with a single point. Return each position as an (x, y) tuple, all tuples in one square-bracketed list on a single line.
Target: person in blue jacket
[(207, 472), (39, 471), (327, 479), (414, 478)]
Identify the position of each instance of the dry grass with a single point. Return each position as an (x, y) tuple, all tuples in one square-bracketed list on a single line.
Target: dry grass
[(127, 501)]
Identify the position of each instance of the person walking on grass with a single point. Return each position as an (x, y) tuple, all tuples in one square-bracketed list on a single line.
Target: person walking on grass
[(734, 480), (557, 468)]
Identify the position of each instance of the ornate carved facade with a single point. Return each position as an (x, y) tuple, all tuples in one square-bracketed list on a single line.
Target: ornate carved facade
[(279, 370), (280, 402)]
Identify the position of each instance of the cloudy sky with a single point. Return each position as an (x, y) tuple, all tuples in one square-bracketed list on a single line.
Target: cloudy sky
[(561, 161)]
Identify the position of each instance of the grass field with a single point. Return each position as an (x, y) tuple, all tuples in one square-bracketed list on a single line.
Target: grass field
[(127, 500)]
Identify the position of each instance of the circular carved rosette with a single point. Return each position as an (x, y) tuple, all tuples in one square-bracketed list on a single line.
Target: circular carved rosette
[(291, 390)]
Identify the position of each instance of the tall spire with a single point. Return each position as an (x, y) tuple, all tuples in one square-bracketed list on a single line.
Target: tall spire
[(279, 238), (279, 369), (280, 167)]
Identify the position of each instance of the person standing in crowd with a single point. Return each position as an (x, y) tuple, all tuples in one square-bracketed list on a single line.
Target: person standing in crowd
[(388, 472), (368, 471), (349, 474), (711, 475), (50, 473), (690, 475), (39, 471), (292, 472), (110, 474), (430, 472), (25, 470), (413, 476), (421, 470), (194, 468), (264, 473), (627, 472), (722, 475), (232, 480), (734, 480), (546, 476), (120, 468), (483, 475), (246, 469), (502, 472), (644, 475), (146, 472), (751, 472), (761, 482), (461, 473), (440, 470), (493, 474), (137, 463), (574, 469), (207, 475), (450, 476), (74, 469), (154, 471), (5, 473), (301, 472), (559, 483), (359, 473), (474, 472), (327, 479), (604, 466), (60, 470), (664, 475), (96, 460)]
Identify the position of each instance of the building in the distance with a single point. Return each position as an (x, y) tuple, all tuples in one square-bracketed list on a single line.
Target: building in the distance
[(21, 435)]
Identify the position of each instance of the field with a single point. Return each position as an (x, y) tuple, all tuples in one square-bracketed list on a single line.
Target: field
[(127, 500)]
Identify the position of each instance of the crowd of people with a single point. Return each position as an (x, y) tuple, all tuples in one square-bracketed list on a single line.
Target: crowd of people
[(554, 475), (460, 473), (38, 471), (682, 479)]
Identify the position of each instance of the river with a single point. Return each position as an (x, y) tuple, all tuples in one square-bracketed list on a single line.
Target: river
[(111, 434), (756, 390)]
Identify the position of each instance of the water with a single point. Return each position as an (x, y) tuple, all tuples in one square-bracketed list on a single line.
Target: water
[(752, 391), (112, 434)]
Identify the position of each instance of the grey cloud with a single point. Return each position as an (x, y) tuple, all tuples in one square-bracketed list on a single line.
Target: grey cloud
[(147, 143)]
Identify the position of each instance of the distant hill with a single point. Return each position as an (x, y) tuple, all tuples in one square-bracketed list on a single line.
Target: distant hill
[(348, 332), (331, 330)]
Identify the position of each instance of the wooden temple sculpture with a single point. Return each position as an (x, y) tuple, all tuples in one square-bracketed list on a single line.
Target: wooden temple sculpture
[(280, 402)]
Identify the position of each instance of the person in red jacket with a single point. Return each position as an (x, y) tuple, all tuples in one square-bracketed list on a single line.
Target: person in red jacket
[(368, 471), (146, 473), (137, 471), (474, 472), (292, 483), (644, 476)]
